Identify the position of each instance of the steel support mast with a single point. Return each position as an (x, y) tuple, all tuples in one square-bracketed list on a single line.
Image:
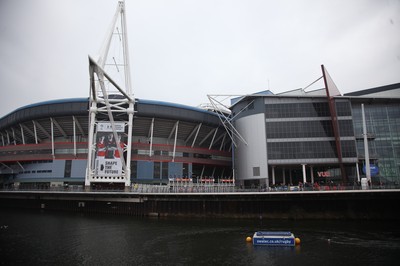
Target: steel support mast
[(111, 110)]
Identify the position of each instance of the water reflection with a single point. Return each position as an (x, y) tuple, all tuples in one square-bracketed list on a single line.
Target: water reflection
[(49, 238)]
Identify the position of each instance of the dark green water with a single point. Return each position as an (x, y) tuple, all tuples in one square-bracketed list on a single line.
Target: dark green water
[(56, 238)]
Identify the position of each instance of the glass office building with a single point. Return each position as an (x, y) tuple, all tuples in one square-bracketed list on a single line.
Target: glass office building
[(296, 138)]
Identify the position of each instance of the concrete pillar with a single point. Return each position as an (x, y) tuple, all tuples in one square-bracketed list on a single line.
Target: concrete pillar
[(283, 176), (290, 177), (358, 173), (304, 174), (273, 175)]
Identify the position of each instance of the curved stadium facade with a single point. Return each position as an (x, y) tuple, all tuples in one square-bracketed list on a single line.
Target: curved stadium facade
[(46, 144)]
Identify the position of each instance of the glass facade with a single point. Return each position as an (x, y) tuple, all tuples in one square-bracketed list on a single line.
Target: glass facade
[(383, 134), (297, 109), (309, 137), (302, 129), (301, 150), (299, 129)]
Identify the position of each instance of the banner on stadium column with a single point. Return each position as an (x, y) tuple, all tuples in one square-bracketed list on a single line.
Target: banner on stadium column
[(374, 169), (106, 127), (108, 162)]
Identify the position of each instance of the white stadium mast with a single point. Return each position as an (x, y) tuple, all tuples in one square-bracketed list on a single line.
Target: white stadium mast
[(110, 135)]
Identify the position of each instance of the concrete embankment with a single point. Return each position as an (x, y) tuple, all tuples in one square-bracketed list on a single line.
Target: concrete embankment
[(363, 204)]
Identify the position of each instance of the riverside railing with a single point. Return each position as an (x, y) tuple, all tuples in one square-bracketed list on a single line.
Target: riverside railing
[(198, 188)]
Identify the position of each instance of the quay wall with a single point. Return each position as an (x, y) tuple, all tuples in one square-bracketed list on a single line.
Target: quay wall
[(363, 204)]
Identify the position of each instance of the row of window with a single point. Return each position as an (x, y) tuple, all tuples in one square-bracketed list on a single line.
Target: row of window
[(377, 112), (307, 129), (36, 171), (343, 108), (312, 149), (316, 109)]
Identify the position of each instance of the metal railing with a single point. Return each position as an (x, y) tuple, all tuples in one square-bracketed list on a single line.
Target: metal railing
[(199, 188)]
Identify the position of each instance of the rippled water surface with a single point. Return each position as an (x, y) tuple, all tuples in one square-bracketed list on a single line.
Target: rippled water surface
[(56, 238)]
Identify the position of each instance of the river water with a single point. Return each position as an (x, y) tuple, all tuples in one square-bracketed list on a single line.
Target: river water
[(34, 237)]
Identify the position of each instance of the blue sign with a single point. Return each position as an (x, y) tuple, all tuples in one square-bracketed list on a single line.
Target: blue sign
[(274, 241), (374, 169)]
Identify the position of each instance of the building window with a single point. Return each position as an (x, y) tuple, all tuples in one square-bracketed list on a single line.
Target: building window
[(157, 168), (164, 170), (67, 169), (256, 171)]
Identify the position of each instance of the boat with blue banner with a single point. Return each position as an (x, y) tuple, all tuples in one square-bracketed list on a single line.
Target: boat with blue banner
[(275, 238)]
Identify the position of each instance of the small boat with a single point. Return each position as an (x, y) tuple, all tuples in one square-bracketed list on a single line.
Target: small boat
[(274, 238)]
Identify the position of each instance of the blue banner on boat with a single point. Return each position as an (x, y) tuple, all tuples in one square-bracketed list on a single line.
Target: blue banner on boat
[(273, 238)]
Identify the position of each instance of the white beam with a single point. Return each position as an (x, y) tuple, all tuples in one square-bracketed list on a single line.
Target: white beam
[(20, 165), (38, 125), (197, 133), (78, 124), (35, 131), (212, 140), (22, 134), (74, 132), (191, 133), (304, 174), (151, 137), (107, 42), (91, 147), (273, 175), (367, 165), (30, 132), (207, 136), (222, 142), (111, 117), (202, 171), (52, 137), (176, 137), (130, 112), (59, 128), (213, 172), (172, 130), (125, 46), (12, 170)]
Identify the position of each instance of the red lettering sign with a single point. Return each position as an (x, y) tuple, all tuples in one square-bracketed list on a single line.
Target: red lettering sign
[(323, 174)]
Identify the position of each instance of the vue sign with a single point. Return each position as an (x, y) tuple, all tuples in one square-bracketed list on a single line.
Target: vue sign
[(323, 174)]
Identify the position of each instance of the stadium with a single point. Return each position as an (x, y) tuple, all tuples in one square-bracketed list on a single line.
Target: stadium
[(112, 139), (45, 144)]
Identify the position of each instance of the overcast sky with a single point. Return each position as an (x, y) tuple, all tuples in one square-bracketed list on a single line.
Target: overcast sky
[(182, 50)]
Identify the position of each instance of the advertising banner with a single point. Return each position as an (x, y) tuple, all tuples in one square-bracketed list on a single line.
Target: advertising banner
[(108, 167), (374, 169), (108, 162)]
